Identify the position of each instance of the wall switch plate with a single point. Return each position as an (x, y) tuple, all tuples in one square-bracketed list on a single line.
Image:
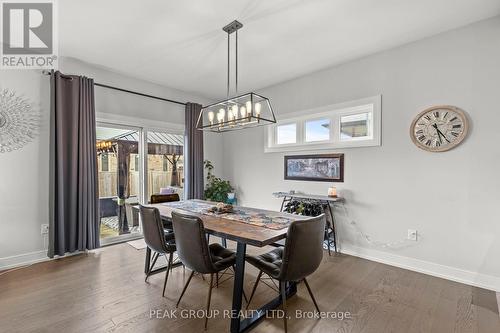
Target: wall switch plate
[(412, 234), (44, 229)]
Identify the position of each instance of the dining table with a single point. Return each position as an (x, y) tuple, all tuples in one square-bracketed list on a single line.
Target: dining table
[(244, 228)]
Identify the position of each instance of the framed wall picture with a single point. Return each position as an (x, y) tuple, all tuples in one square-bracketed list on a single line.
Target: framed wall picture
[(319, 168)]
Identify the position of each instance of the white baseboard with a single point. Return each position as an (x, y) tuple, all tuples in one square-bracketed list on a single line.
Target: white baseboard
[(23, 259), (426, 267), (30, 258)]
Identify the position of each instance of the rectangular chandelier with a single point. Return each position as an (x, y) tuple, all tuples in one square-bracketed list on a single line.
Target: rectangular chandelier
[(234, 113), (245, 111)]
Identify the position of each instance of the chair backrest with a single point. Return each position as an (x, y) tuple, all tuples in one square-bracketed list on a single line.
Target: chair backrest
[(303, 248), (152, 228), (159, 198), (191, 241)]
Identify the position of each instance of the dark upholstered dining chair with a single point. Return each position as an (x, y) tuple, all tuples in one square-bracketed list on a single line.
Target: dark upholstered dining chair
[(161, 198), (158, 240), (300, 257), (195, 253), (167, 222)]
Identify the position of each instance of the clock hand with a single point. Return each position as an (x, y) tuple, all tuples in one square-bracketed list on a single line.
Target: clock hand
[(438, 132), (443, 136)]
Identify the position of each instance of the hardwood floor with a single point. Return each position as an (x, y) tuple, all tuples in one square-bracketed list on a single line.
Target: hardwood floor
[(104, 291)]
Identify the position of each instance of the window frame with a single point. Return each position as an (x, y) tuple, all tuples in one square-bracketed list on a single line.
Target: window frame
[(104, 157), (334, 113)]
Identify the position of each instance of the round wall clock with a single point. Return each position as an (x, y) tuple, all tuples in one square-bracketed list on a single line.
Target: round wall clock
[(439, 128)]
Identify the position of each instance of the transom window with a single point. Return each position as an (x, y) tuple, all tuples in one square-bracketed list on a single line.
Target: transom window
[(355, 126), (317, 130), (351, 124), (286, 134)]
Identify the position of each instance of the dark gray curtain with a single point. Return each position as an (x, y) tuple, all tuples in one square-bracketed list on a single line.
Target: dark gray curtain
[(193, 173), (74, 217)]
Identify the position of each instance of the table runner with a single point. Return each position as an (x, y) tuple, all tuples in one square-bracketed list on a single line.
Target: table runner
[(253, 216)]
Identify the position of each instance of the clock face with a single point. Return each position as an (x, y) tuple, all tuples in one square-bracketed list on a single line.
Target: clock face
[(439, 128)]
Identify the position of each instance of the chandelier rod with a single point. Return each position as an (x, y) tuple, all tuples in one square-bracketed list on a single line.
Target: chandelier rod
[(236, 85), (228, 64)]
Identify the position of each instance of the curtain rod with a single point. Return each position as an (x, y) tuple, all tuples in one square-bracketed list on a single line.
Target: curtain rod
[(45, 72)]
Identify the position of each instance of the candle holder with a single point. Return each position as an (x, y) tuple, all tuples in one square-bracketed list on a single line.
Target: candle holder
[(332, 192)]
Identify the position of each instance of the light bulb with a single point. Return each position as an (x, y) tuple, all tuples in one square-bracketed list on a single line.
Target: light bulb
[(220, 115), (249, 106), (234, 109), (243, 112), (258, 107), (211, 117)]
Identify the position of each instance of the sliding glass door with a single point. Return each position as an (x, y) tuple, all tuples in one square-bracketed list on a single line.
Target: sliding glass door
[(165, 163), (119, 179), (122, 182)]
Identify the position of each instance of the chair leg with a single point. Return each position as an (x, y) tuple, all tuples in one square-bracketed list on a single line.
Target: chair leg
[(208, 299), (254, 288), (311, 294), (169, 261), (185, 287), (155, 257), (283, 302)]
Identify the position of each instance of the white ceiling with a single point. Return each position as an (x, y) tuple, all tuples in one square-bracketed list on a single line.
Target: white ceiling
[(180, 44)]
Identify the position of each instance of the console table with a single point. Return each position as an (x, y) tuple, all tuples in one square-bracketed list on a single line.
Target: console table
[(326, 202)]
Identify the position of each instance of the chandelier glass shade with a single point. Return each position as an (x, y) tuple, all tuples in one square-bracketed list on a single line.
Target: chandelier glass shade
[(239, 112)]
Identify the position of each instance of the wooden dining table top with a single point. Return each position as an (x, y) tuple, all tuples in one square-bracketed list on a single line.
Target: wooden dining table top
[(235, 230)]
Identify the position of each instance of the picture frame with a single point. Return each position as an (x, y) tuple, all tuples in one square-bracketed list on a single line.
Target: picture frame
[(319, 167)]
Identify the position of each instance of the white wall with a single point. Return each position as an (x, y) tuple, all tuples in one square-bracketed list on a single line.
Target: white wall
[(24, 173), (451, 198), (24, 177)]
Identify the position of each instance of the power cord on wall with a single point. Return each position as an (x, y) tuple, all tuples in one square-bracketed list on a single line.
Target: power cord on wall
[(376, 243)]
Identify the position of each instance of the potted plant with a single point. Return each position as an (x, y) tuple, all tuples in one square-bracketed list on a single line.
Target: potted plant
[(216, 188)]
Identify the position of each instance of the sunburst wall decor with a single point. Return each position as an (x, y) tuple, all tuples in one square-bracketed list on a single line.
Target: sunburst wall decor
[(18, 121)]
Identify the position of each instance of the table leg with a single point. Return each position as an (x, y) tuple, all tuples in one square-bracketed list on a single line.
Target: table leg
[(239, 275), (334, 229), (282, 204), (245, 325)]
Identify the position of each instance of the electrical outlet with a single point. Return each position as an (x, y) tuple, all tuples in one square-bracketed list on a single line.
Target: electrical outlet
[(412, 234), (44, 229)]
